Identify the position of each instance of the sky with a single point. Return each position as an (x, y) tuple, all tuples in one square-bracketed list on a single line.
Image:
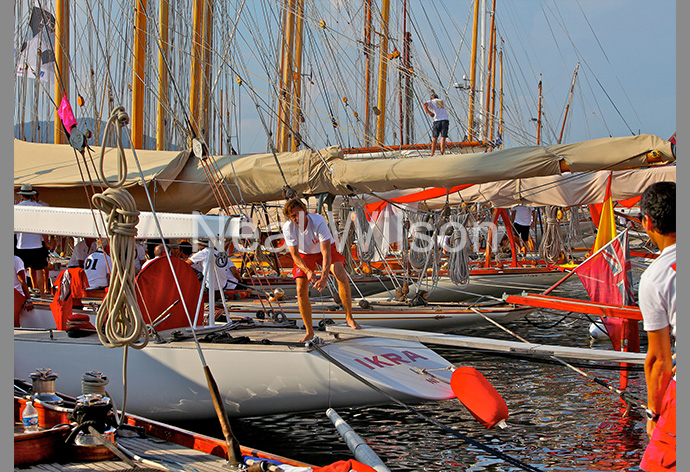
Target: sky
[(625, 85)]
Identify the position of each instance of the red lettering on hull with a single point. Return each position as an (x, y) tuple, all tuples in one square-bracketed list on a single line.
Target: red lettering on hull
[(396, 359)]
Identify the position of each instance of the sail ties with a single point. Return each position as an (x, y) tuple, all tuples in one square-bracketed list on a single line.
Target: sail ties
[(119, 321)]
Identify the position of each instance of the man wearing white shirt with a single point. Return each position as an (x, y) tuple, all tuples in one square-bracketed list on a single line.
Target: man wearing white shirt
[(98, 266), (657, 294), (32, 248), (309, 242)]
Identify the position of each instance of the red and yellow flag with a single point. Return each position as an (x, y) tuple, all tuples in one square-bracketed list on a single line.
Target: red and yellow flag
[(607, 221)]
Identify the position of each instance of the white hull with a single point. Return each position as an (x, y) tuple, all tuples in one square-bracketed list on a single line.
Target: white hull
[(167, 382)]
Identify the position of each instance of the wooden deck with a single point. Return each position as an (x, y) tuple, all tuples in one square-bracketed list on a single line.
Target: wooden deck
[(157, 450)]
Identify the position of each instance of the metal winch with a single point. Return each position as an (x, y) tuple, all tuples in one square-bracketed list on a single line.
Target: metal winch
[(96, 410), (43, 386)]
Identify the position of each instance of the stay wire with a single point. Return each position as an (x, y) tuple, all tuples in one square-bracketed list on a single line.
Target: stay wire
[(435, 422)]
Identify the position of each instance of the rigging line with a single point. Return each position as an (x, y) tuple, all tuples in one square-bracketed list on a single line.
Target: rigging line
[(457, 56), (435, 422), (612, 69)]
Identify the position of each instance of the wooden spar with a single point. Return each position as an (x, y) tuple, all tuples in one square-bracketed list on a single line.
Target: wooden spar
[(492, 33), (286, 77), (205, 85), (491, 345), (161, 119), (493, 87), (473, 73), (297, 82), (407, 147), (409, 92), (195, 82), (500, 97), (383, 73), (567, 106), (577, 306), (539, 115), (61, 68), (367, 72), (137, 114)]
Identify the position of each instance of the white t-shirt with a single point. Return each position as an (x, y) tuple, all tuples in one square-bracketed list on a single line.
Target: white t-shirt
[(140, 256), (231, 280), (18, 267), (657, 292), (80, 252), (439, 113), (201, 258), (523, 215), (97, 267), (29, 240), (309, 240)]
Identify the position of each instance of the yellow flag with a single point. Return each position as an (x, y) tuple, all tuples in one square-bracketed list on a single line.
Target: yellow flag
[(607, 222)]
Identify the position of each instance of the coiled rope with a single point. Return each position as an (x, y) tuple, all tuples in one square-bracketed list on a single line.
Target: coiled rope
[(119, 321), (551, 244), (459, 259), (574, 231)]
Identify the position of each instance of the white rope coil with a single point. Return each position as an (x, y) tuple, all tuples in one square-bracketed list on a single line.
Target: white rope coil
[(366, 244), (459, 260), (119, 321), (551, 244)]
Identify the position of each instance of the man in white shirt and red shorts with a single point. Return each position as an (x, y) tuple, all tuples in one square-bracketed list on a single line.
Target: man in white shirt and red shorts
[(309, 242), (657, 294)]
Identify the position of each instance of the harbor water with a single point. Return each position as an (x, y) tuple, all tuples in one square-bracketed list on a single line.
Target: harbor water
[(559, 420)]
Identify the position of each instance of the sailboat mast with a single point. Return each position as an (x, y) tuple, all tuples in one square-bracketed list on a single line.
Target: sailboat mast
[(383, 72), (161, 119), (137, 113), (205, 87), (489, 74), (482, 64), (367, 72), (286, 77), (473, 73), (539, 115), (61, 58), (195, 83), (500, 99), (297, 84), (567, 106)]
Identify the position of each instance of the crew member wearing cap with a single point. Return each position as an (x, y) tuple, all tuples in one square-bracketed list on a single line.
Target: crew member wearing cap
[(32, 248), (309, 241), (436, 109)]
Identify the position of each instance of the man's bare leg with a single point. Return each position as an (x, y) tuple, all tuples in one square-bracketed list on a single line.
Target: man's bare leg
[(37, 278), (443, 144), (304, 306), (345, 293), (433, 146)]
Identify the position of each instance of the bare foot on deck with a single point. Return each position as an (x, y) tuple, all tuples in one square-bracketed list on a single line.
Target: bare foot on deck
[(353, 324), (307, 337)]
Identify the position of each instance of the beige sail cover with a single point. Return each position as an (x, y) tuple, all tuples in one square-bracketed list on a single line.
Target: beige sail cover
[(178, 182)]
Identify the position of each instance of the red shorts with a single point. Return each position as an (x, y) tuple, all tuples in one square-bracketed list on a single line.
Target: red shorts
[(312, 259), (661, 451)]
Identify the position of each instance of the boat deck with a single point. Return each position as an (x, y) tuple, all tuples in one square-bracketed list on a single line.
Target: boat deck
[(157, 450)]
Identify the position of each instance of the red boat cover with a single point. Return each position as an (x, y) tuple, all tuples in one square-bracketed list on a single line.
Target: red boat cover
[(479, 396), (156, 291), (345, 466)]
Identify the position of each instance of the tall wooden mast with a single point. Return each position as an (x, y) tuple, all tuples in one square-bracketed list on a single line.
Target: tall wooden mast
[(195, 79), (489, 75), (473, 73), (500, 98), (205, 86), (138, 68), (383, 73), (297, 80), (61, 60), (567, 106), (161, 120), (285, 92), (368, 50), (539, 115)]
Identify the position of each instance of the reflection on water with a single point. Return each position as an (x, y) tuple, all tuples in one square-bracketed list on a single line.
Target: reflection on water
[(559, 420)]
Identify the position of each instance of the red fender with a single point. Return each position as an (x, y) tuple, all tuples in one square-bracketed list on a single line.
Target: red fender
[(479, 396)]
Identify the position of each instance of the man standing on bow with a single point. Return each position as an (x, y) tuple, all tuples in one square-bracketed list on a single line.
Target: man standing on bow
[(437, 110), (309, 242), (657, 294)]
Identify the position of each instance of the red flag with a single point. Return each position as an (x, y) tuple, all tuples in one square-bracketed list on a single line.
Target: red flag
[(607, 274), (607, 277)]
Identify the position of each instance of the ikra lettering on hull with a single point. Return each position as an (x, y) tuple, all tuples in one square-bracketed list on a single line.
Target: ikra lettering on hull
[(394, 359)]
